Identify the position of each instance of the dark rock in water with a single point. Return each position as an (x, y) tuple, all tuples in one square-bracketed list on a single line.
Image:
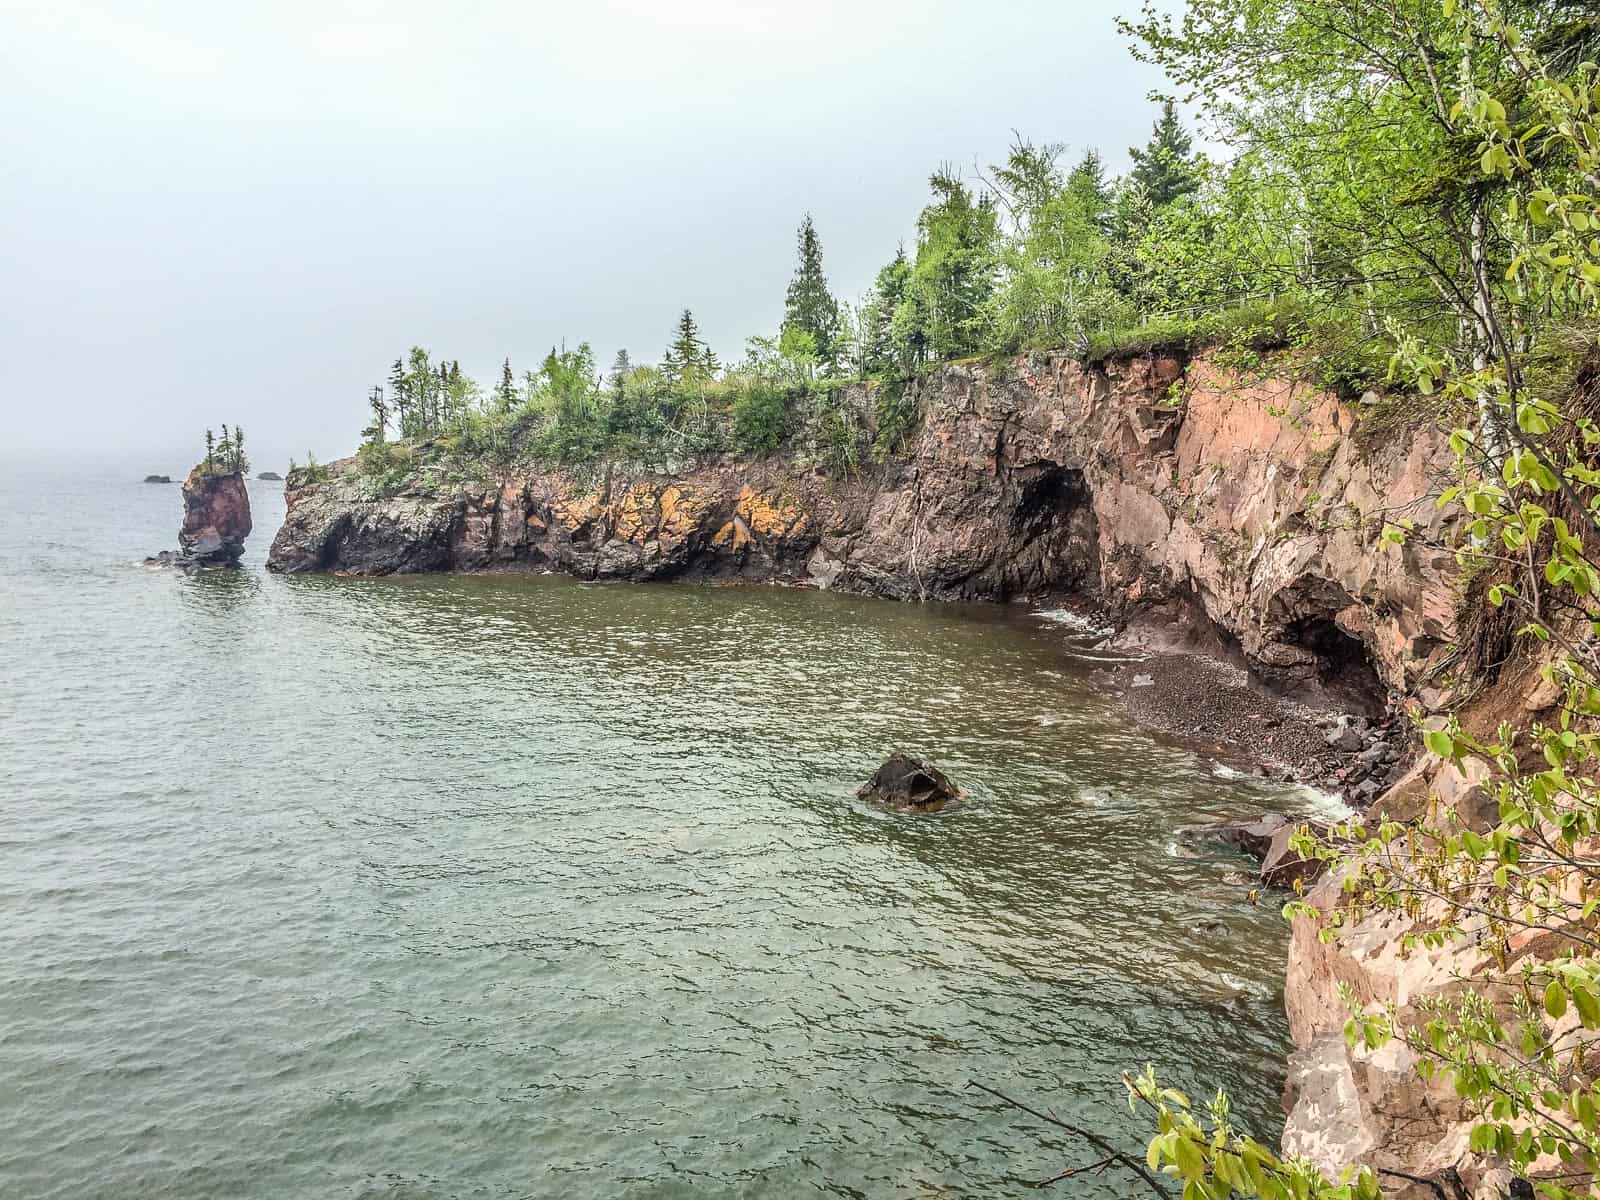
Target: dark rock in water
[(270, 477), (1283, 867), (1253, 836), (158, 478), (905, 781), (216, 520)]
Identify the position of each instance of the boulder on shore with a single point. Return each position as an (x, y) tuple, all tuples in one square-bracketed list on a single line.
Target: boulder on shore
[(216, 520), (158, 478), (906, 781)]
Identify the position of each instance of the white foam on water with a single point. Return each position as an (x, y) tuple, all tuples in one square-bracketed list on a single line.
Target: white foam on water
[(1314, 802), (1075, 621)]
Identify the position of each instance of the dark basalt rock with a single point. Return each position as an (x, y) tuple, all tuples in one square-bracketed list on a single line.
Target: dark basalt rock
[(158, 478), (906, 781), (270, 477), (1267, 839), (1253, 836)]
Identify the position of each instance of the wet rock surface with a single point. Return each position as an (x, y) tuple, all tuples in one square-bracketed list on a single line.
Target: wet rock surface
[(907, 781)]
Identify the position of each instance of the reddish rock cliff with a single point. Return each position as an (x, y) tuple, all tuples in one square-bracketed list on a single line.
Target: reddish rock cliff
[(1151, 483)]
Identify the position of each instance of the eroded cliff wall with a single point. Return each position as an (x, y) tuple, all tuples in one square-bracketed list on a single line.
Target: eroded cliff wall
[(1155, 484)]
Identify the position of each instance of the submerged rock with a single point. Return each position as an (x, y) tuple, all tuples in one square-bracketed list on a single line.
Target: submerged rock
[(906, 781), (216, 520), (1253, 836), (1267, 839)]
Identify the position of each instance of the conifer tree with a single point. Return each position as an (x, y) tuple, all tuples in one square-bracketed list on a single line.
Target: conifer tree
[(401, 398), (808, 305), (1086, 186), (240, 462), (377, 432), (211, 450), (505, 392), (688, 359), (877, 351), (1165, 168)]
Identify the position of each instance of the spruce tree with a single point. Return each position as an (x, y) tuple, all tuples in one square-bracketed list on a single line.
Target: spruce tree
[(688, 359), (377, 432), (400, 396), (878, 351), (505, 392), (240, 462), (211, 450), (808, 305), (1165, 168), (1086, 182)]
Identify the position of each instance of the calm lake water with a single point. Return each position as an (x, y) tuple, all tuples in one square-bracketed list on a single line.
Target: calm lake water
[(520, 887)]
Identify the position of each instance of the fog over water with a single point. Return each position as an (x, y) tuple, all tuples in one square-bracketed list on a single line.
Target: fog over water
[(244, 212)]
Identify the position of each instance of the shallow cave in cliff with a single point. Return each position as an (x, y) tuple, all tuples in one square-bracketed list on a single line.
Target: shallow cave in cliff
[(1344, 669), (1055, 540)]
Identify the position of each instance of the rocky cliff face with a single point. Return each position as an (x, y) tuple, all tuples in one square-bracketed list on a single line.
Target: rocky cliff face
[(216, 521), (1154, 484), (1179, 494)]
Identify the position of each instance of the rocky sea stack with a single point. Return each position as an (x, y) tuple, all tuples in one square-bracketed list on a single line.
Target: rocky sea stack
[(158, 478), (216, 520)]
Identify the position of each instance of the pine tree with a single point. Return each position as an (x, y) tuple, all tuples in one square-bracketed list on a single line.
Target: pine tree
[(240, 462), (211, 450), (1086, 182), (400, 396), (377, 432), (808, 305), (505, 392), (688, 359), (1165, 168), (877, 351)]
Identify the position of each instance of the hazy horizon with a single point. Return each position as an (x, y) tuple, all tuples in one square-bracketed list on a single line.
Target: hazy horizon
[(246, 215)]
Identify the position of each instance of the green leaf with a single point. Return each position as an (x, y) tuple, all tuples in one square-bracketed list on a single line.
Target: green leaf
[(1555, 1000)]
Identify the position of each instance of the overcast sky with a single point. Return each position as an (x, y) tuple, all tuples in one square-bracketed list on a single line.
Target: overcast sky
[(245, 211)]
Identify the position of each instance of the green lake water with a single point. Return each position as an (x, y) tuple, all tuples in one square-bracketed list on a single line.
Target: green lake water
[(522, 887)]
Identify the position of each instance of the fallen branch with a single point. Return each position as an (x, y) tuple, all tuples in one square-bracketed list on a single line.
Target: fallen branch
[(1111, 1152)]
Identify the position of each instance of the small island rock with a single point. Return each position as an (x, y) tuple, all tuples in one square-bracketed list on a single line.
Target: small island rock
[(158, 478), (906, 781), (216, 516), (270, 477), (216, 520)]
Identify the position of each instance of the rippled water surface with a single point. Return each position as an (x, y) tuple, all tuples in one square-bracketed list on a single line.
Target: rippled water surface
[(495, 887)]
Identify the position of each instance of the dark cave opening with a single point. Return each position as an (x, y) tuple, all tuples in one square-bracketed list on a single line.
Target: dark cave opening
[(1343, 668), (1054, 533)]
